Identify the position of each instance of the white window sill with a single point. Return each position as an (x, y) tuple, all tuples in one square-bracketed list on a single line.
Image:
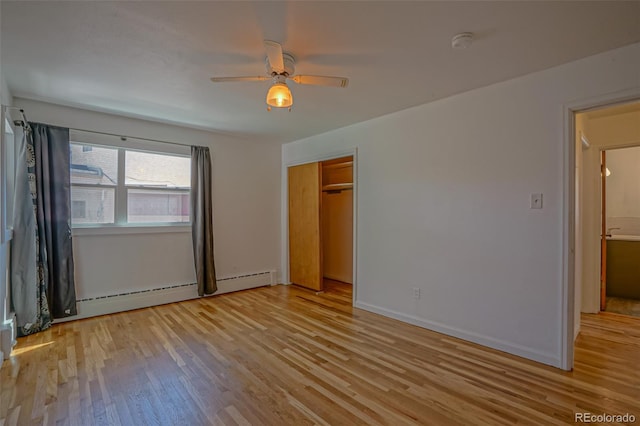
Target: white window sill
[(79, 231)]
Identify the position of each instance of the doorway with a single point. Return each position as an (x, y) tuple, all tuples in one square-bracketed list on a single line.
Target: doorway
[(605, 215), (321, 225)]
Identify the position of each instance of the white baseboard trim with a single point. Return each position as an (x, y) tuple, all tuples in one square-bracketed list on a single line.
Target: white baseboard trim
[(501, 345), (143, 299)]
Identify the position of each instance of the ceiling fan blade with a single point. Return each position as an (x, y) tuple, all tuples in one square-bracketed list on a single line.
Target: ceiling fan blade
[(319, 80), (238, 79), (274, 53)]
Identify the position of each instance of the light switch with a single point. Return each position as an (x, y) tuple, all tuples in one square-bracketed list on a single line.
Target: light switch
[(536, 201)]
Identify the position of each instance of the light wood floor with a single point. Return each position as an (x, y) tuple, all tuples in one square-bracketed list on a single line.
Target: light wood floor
[(286, 356)]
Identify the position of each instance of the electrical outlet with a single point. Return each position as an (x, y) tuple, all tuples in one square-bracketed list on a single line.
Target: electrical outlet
[(536, 201), (416, 293)]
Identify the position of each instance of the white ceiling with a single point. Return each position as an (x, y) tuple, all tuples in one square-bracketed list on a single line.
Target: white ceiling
[(154, 59)]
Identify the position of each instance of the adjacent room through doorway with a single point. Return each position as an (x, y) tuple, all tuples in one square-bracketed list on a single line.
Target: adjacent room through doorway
[(608, 209), (621, 225)]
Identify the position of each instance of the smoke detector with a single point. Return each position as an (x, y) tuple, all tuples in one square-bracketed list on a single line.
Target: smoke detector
[(462, 40)]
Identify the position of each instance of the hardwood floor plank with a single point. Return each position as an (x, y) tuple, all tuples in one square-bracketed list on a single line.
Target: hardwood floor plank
[(288, 356)]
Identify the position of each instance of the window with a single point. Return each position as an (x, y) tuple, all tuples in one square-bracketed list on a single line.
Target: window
[(157, 187), (79, 209), (120, 186), (94, 179)]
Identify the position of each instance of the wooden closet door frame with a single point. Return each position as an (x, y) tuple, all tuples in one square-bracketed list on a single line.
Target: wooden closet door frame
[(285, 211)]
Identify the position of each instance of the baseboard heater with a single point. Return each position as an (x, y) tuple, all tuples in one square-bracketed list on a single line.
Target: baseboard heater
[(94, 306)]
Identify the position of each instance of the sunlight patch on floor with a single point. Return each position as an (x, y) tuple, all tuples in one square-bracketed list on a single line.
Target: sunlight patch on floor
[(20, 351)]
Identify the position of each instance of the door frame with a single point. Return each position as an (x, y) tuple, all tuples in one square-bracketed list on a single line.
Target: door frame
[(567, 291), (284, 222), (603, 229)]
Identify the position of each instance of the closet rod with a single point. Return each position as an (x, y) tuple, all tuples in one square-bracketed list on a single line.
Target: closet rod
[(336, 191), (122, 137)]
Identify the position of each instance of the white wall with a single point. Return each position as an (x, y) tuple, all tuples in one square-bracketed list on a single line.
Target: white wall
[(443, 205), (5, 93), (246, 199), (3, 248), (603, 132), (6, 100)]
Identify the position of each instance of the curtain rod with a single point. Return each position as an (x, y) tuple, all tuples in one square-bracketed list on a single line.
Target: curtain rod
[(22, 123), (122, 137)]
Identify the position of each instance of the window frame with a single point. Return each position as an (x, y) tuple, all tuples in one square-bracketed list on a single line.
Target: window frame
[(122, 145)]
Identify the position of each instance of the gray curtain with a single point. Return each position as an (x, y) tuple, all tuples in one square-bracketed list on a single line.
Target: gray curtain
[(28, 288), (42, 281), (202, 220), (53, 216)]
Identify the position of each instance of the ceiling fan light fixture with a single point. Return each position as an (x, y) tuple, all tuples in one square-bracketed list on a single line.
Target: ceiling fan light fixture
[(279, 96), (462, 40), (280, 68)]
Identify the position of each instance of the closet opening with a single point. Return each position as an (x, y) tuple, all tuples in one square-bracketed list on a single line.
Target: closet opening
[(321, 223), (337, 223)]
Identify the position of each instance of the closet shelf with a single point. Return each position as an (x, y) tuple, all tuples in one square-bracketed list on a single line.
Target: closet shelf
[(337, 186), (338, 165)]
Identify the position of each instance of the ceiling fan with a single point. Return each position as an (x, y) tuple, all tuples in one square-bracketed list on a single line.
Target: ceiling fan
[(280, 68)]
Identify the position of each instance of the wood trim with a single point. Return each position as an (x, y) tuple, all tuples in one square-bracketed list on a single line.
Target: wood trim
[(603, 232)]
